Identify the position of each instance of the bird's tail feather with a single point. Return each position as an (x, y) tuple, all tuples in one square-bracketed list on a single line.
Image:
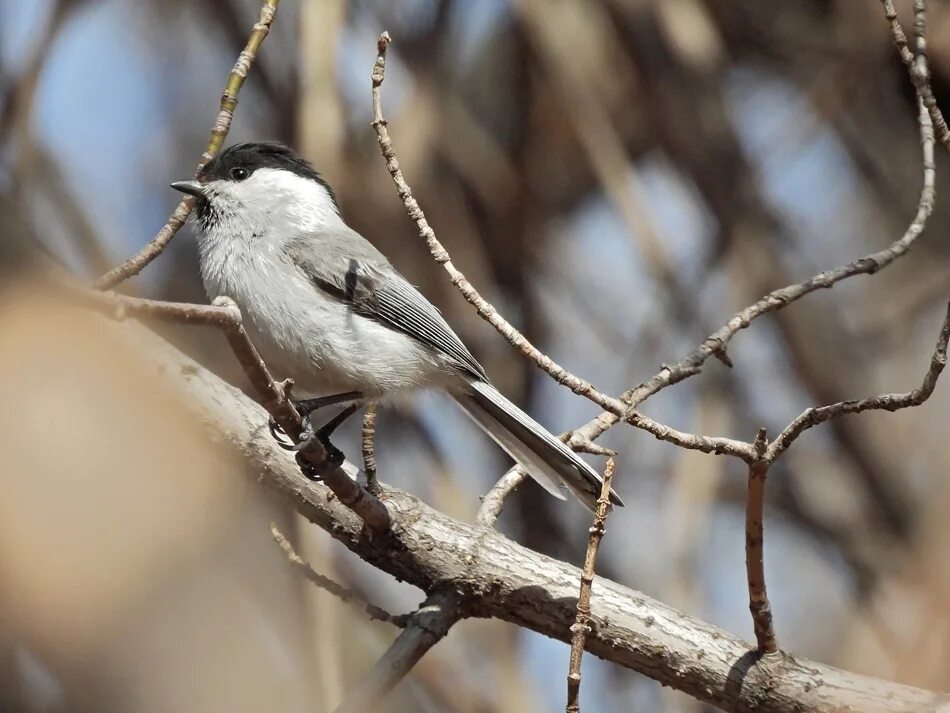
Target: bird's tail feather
[(542, 455)]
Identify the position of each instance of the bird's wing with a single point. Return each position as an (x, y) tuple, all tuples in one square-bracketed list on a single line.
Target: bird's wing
[(350, 269)]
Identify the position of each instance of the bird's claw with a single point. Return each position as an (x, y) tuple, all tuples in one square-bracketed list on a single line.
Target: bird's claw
[(307, 435), (279, 435), (334, 456), (306, 467)]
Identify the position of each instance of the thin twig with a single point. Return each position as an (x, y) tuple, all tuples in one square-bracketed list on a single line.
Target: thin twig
[(918, 75), (776, 300), (759, 604), (887, 402), (618, 408), (328, 585), (494, 500), (225, 315), (222, 123), (368, 443), (892, 402), (426, 627), (581, 626)]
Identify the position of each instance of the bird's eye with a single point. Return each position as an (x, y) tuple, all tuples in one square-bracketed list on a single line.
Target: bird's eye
[(239, 174)]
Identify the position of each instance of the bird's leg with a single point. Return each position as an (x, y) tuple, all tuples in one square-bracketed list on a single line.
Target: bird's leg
[(334, 455), (305, 407)]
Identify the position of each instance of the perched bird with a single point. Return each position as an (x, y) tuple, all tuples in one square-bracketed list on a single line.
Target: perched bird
[(326, 308)]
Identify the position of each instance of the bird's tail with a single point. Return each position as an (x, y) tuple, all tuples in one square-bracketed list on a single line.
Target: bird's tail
[(542, 455)]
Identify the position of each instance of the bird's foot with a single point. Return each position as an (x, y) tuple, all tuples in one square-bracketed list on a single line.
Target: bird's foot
[(308, 437), (305, 407), (334, 457)]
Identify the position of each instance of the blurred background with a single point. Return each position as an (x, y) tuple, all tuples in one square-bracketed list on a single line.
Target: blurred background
[(619, 178)]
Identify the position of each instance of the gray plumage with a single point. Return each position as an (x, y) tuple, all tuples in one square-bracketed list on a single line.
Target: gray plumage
[(349, 268), (326, 308)]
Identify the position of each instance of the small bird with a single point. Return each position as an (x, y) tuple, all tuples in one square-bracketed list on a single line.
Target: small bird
[(326, 308)]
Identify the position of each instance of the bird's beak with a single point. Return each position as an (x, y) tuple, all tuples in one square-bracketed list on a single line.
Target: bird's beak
[(190, 187)]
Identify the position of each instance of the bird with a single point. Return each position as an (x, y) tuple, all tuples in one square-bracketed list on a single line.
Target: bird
[(324, 307)]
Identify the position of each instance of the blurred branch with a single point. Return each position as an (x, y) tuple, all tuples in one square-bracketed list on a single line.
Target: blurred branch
[(225, 315), (581, 626), (759, 604), (425, 627), (328, 585), (222, 123), (707, 444), (17, 98), (52, 182), (495, 577), (599, 138)]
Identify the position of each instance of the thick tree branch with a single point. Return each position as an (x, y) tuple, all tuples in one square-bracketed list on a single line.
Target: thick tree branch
[(496, 577), (219, 131)]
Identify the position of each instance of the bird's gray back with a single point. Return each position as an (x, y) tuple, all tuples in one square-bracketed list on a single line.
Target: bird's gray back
[(349, 268)]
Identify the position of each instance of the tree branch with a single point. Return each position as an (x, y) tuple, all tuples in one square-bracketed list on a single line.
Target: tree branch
[(368, 445), (426, 627), (918, 74), (581, 626), (888, 402), (715, 344), (495, 577), (222, 123), (225, 315), (328, 585), (581, 387), (494, 500), (759, 604)]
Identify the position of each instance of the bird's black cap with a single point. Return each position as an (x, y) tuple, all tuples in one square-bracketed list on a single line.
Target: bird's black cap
[(262, 154)]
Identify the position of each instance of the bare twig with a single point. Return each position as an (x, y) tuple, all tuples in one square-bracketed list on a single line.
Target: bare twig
[(618, 408), (915, 68), (581, 626), (368, 443), (222, 123), (225, 315), (778, 299), (759, 604), (328, 585), (494, 500), (888, 402), (425, 628)]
